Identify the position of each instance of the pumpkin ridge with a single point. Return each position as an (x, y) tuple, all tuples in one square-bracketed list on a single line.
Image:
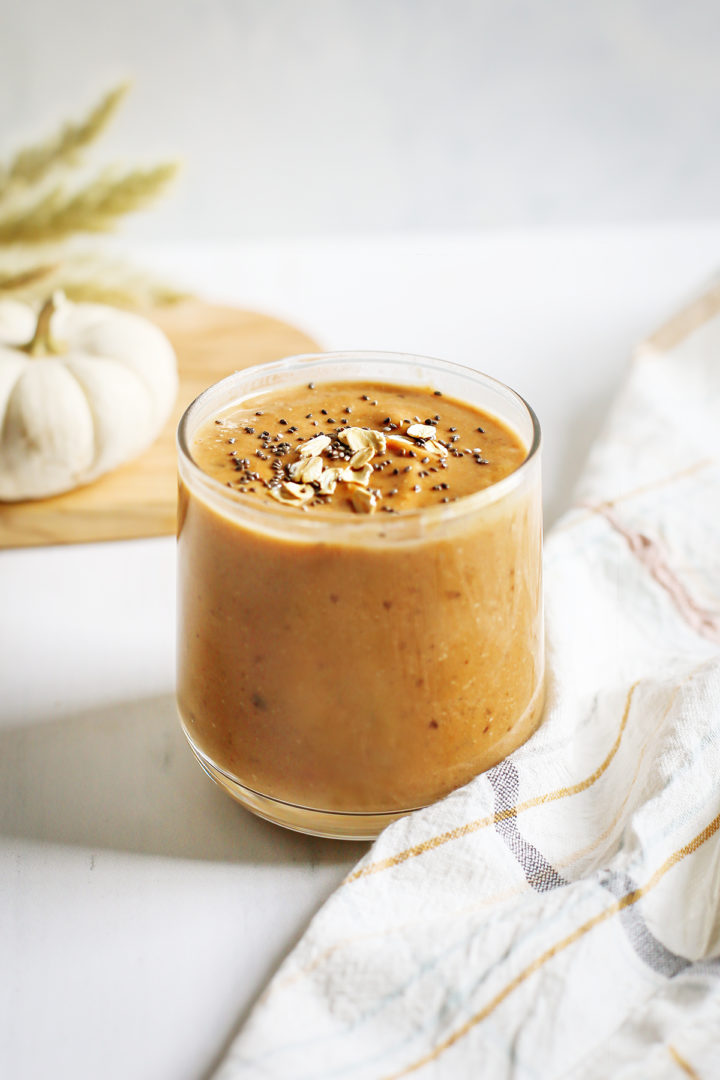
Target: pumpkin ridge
[(88, 401), (26, 444), (101, 442), (92, 349)]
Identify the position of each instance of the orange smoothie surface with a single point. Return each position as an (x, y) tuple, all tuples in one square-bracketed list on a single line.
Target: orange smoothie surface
[(356, 448)]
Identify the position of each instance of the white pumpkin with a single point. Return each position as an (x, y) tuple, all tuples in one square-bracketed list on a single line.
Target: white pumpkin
[(83, 388)]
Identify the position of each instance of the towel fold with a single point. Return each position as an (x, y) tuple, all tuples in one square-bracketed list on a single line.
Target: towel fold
[(560, 915)]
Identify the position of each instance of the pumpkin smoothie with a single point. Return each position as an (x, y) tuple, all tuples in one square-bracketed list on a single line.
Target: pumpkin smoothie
[(360, 597)]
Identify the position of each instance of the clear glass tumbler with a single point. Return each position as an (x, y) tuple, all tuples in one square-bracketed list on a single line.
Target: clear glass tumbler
[(335, 673)]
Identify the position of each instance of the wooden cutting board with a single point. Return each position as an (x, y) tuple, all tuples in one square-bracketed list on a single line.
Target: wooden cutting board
[(138, 499)]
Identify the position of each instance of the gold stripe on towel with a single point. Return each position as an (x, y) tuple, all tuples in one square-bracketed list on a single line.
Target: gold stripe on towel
[(684, 323), (627, 901)]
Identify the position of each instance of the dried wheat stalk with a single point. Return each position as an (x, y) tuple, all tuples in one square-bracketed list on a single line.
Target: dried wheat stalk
[(42, 209), (35, 163), (93, 208)]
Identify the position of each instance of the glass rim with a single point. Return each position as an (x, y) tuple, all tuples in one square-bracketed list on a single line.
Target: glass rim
[(346, 523)]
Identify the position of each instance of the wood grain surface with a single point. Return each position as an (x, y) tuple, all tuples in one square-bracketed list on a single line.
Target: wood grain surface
[(138, 499)]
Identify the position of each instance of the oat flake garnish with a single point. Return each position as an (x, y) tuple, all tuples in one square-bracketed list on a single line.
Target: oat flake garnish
[(306, 470), (358, 476), (422, 431), (291, 494), (314, 447), (403, 446), (360, 438), (363, 501), (328, 480), (432, 446), (362, 457)]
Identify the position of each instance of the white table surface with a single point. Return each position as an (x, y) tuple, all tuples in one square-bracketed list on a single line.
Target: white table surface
[(141, 911)]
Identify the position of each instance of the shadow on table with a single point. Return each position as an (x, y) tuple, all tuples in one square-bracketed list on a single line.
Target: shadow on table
[(122, 777)]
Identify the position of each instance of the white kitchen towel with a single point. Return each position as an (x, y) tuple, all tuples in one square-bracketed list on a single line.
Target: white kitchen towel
[(560, 915)]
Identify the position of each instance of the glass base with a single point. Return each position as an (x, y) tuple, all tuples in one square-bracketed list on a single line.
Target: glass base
[(333, 825), (360, 825)]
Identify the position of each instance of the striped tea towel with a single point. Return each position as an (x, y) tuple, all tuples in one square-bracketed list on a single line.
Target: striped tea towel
[(560, 915)]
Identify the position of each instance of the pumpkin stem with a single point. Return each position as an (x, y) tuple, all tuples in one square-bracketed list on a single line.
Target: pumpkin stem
[(42, 342)]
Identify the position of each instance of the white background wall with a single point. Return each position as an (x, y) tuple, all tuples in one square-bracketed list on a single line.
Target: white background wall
[(298, 116)]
